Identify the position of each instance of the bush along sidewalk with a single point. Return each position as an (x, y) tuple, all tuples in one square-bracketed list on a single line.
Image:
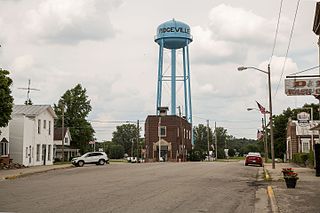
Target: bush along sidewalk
[(304, 159)]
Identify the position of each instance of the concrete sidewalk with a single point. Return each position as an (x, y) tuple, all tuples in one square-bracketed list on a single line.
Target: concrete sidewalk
[(14, 173), (303, 198)]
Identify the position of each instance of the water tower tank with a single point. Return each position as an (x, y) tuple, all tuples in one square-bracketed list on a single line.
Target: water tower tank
[(174, 34)]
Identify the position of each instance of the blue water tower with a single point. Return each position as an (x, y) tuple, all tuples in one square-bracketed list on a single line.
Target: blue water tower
[(174, 35)]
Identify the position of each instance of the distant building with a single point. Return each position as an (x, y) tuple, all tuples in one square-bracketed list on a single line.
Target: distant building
[(4, 145), (31, 134), (300, 139), (172, 132), (57, 148)]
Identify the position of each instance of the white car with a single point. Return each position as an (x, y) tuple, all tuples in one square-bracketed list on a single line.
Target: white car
[(99, 158)]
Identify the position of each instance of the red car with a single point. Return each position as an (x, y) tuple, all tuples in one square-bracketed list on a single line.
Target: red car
[(253, 158)]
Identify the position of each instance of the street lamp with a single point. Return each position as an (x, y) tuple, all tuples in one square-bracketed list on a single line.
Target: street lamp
[(265, 133), (270, 107)]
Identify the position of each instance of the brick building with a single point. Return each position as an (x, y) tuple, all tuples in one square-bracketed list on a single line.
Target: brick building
[(300, 139), (175, 137)]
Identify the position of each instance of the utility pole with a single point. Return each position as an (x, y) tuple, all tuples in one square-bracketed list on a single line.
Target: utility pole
[(216, 139), (208, 139), (159, 132), (62, 131), (265, 138)]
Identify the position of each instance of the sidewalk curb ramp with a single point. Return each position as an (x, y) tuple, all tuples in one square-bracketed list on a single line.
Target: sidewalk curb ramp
[(272, 198)]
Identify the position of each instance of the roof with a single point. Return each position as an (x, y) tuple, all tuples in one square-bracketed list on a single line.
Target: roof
[(58, 133), (32, 110)]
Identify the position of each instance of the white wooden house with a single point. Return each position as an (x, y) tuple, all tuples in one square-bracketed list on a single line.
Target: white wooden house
[(67, 149), (31, 134), (4, 145)]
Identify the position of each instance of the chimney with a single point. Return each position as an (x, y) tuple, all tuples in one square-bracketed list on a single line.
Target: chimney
[(163, 111)]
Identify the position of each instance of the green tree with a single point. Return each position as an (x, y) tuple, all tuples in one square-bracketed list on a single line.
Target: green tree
[(280, 123), (231, 152), (222, 137), (6, 99), (76, 109), (201, 138), (126, 135)]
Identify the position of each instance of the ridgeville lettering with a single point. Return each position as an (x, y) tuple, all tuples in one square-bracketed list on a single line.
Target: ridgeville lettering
[(174, 30)]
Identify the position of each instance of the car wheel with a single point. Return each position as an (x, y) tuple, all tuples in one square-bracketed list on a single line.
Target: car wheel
[(80, 163), (246, 164), (101, 162)]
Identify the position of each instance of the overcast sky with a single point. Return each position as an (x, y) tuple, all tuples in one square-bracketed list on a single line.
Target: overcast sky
[(108, 47)]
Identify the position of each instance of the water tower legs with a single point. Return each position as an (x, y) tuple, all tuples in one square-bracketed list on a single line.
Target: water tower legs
[(173, 82), (159, 88)]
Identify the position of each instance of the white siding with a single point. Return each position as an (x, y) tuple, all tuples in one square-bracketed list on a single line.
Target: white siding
[(16, 126), (44, 138), (28, 141), (24, 138)]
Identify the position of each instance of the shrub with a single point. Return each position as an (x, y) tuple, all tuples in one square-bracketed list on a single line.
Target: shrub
[(196, 155), (300, 158), (311, 159)]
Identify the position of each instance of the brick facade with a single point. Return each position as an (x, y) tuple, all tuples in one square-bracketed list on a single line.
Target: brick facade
[(300, 136), (176, 142)]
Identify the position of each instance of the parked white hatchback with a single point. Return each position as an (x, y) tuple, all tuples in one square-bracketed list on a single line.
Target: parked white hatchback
[(99, 158)]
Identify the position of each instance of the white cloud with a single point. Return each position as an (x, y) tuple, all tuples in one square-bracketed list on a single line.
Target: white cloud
[(237, 24), (231, 33), (71, 21)]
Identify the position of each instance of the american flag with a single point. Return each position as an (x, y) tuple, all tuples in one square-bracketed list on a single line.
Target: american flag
[(261, 108)]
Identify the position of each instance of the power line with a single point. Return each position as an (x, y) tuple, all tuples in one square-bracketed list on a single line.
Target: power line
[(312, 68), (116, 121), (290, 38), (276, 34)]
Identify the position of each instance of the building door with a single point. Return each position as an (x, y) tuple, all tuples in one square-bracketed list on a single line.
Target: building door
[(44, 153), (163, 152)]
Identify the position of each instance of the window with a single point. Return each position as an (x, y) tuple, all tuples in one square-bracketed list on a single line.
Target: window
[(44, 124), (178, 132), (49, 152), (49, 127), (38, 152), (4, 148), (163, 131), (305, 145), (26, 152), (39, 126), (66, 140)]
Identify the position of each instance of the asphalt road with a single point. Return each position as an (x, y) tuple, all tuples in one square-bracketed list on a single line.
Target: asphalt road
[(150, 187)]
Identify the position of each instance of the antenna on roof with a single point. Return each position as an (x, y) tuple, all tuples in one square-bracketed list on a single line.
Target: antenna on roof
[(28, 101)]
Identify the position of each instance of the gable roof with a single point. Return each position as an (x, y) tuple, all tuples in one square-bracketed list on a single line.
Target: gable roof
[(58, 133), (32, 110)]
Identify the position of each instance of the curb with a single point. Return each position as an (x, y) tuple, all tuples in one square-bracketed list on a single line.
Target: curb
[(266, 174), (272, 198), (15, 176), (273, 202)]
